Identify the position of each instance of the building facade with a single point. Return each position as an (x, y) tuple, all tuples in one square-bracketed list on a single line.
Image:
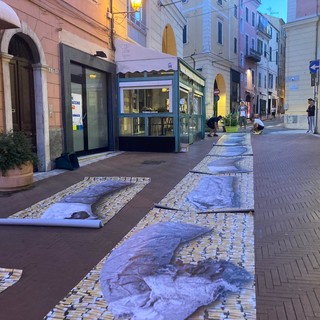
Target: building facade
[(249, 53), (211, 47), (62, 65), (303, 19)]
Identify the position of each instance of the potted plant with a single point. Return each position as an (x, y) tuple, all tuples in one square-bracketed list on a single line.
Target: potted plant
[(230, 122), (16, 161)]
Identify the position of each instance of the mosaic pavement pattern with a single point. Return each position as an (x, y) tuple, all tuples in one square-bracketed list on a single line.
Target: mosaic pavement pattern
[(107, 207), (235, 139), (224, 165), (198, 192), (230, 151), (9, 277), (231, 239)]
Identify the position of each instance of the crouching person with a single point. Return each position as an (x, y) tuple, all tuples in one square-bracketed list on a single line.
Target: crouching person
[(258, 125), (213, 124)]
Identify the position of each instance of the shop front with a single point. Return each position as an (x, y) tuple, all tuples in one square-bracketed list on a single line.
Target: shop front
[(161, 100), (88, 102)]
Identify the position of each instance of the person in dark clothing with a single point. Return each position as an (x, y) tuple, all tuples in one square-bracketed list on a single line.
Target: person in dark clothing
[(310, 111), (213, 124)]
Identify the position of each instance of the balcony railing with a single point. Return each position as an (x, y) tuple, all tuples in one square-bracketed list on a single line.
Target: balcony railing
[(253, 55), (263, 30)]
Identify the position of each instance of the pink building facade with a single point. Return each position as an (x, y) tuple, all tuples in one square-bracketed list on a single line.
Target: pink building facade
[(249, 53)]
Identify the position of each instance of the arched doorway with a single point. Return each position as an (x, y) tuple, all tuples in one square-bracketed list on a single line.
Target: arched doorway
[(22, 86), (168, 41), (220, 101)]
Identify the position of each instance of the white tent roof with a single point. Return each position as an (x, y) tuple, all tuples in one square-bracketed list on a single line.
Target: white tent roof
[(8, 17), (131, 57)]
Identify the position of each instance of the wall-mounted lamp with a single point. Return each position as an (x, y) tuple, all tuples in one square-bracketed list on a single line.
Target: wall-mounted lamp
[(135, 5), (100, 54)]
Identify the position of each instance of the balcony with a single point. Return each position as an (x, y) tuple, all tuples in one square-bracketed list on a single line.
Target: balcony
[(264, 30), (253, 55)]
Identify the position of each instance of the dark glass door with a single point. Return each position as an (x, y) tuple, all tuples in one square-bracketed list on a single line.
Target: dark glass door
[(89, 110)]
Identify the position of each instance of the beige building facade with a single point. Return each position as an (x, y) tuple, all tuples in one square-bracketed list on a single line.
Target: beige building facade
[(302, 46), (210, 48)]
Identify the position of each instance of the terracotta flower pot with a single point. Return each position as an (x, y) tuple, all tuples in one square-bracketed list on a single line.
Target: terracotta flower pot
[(17, 179)]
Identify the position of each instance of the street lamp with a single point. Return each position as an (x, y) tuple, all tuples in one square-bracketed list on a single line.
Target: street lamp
[(135, 5)]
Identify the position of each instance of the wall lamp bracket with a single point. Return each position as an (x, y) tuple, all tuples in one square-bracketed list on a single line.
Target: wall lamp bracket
[(110, 15), (160, 4)]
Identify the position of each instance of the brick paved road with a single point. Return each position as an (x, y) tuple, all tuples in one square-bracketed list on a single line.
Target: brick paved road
[(287, 226), (287, 215)]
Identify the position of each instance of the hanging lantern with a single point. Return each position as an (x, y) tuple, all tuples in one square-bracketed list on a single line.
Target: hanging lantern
[(136, 4)]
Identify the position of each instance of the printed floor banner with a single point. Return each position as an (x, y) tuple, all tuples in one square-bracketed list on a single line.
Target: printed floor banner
[(224, 165), (89, 203), (209, 270)]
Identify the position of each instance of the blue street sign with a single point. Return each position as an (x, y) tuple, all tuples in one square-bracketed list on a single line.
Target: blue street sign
[(314, 65)]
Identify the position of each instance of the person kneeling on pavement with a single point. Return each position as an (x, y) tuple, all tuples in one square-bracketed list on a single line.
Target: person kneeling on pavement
[(258, 125), (212, 123)]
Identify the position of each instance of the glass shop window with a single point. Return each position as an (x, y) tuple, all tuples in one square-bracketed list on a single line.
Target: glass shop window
[(146, 100), (132, 126), (161, 126)]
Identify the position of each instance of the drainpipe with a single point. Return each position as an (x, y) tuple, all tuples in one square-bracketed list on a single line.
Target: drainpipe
[(111, 25)]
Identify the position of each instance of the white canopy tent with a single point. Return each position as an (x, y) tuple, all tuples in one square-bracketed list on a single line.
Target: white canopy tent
[(131, 57)]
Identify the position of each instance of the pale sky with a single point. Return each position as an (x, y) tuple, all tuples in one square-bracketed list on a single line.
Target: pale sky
[(278, 8)]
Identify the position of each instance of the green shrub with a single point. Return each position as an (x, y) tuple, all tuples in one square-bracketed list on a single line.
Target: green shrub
[(230, 120), (15, 150)]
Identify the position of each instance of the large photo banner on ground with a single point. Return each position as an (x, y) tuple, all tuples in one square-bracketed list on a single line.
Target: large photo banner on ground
[(175, 274), (89, 203), (200, 193)]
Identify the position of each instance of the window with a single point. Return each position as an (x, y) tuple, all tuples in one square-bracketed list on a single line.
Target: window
[(235, 11), (253, 19), (235, 45), (241, 59), (265, 82), (277, 36), (142, 98), (270, 81), (220, 32), (277, 57), (220, 2), (138, 18), (253, 43), (259, 80), (270, 53), (247, 14), (241, 25), (241, 4), (265, 51), (259, 46), (247, 44), (253, 76), (184, 34)]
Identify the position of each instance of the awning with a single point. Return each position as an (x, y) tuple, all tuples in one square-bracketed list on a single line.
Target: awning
[(131, 57), (8, 17)]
